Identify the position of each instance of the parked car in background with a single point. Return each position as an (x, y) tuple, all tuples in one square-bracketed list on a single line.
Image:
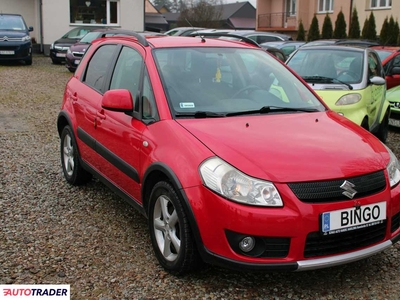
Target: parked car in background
[(262, 36), (287, 47), (15, 42), (393, 96), (76, 51), (227, 170), (182, 30), (59, 49), (274, 51), (390, 57), (342, 42), (350, 80)]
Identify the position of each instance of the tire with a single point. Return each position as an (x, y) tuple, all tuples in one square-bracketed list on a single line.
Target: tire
[(170, 231), (364, 124), (72, 70), (72, 169), (383, 130), (28, 62)]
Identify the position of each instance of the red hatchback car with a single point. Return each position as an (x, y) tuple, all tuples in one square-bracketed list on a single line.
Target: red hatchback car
[(229, 169), (390, 57)]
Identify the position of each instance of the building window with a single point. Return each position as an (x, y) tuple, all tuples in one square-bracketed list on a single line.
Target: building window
[(94, 11), (325, 6), (291, 7), (381, 3)]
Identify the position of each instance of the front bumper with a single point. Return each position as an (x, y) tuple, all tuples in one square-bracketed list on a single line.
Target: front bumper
[(285, 231), (15, 51), (394, 119), (58, 55)]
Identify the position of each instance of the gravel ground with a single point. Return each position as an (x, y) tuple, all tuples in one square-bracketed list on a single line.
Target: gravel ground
[(53, 233)]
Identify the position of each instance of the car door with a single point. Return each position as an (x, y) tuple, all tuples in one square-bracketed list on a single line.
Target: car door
[(377, 92), (393, 80), (119, 137), (86, 97)]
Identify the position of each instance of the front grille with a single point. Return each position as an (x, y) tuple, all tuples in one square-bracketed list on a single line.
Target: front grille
[(78, 54), (9, 39), (395, 222), (329, 191), (320, 245)]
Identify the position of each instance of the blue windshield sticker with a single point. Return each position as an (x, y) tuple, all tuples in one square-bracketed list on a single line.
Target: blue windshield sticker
[(186, 105)]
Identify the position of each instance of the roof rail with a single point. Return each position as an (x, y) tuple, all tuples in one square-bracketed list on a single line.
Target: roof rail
[(141, 39), (231, 35)]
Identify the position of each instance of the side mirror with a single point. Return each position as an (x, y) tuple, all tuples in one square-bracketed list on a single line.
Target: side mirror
[(118, 100), (377, 80), (395, 71), (30, 28)]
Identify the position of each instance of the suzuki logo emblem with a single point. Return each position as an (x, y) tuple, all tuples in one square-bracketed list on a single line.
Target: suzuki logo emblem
[(348, 189)]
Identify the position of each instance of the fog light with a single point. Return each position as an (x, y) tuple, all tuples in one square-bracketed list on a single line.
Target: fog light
[(247, 244)]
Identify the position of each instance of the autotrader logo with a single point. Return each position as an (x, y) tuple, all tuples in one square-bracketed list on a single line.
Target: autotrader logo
[(349, 192), (33, 291)]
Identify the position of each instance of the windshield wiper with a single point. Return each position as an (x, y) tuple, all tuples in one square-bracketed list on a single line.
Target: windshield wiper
[(200, 114), (268, 109), (314, 79)]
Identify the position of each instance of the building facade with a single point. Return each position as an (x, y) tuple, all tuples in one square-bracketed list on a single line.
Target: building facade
[(52, 18), (285, 15)]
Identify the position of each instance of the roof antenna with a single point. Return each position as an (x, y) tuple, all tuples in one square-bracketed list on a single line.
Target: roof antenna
[(189, 23)]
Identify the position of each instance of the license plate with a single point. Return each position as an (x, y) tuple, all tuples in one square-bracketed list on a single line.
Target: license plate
[(4, 52), (77, 61), (61, 54), (394, 122), (343, 220)]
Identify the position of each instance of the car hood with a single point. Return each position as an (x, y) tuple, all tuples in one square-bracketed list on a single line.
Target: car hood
[(292, 147), (79, 47), (13, 33), (65, 42), (393, 94)]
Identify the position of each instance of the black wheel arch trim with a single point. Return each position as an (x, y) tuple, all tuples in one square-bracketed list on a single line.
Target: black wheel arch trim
[(173, 179)]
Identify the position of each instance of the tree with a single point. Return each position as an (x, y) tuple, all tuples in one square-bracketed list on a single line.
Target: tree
[(371, 27), (365, 29), (166, 3), (396, 32), (203, 13), (354, 31), (393, 32), (385, 32), (313, 32), (327, 29), (340, 27), (301, 34)]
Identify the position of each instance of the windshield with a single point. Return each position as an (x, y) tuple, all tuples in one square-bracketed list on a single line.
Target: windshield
[(76, 33), (229, 80), (90, 37), (11, 22), (383, 54), (335, 65)]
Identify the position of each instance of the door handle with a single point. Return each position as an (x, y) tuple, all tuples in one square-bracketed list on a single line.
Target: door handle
[(101, 115), (74, 97)]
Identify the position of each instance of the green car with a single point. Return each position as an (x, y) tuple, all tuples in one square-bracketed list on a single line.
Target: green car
[(350, 81), (393, 96)]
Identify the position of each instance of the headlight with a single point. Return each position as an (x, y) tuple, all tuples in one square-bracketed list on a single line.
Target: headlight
[(229, 182), (348, 99), (69, 51), (393, 168), (26, 38), (52, 46)]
